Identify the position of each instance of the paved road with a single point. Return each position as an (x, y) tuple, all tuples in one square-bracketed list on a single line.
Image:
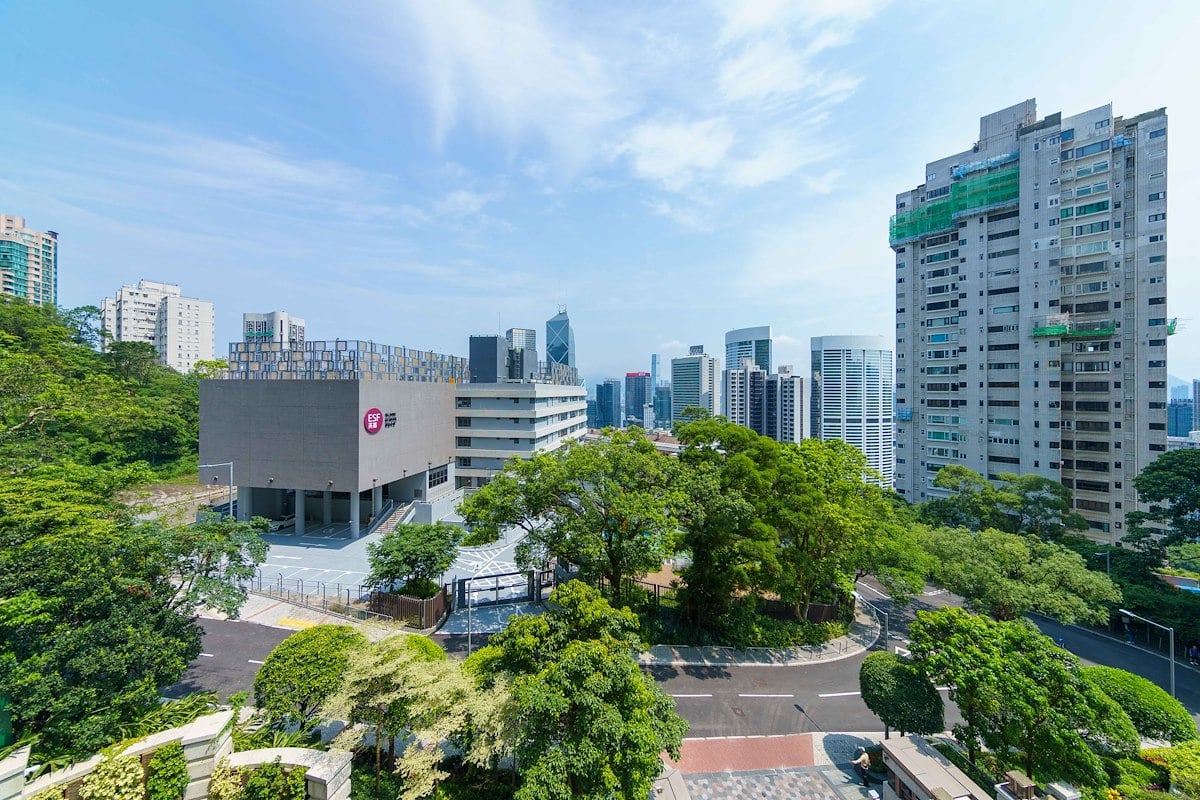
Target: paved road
[(229, 659)]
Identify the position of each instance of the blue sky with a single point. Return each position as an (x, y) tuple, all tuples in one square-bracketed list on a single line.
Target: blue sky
[(418, 172)]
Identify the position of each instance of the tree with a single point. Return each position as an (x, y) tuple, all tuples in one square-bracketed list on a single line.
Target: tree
[(209, 563), (609, 507), (302, 672), (590, 723), (412, 556), (1040, 507), (899, 693), (974, 504), (1154, 713), (1006, 575), (1171, 486)]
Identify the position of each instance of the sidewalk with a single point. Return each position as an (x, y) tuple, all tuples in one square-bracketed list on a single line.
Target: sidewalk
[(864, 632), (263, 610)]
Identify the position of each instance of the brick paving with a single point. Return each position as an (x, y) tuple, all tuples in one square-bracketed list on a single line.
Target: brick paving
[(796, 783)]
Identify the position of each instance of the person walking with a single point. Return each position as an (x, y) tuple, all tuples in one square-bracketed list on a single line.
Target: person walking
[(861, 763), (1193, 654)]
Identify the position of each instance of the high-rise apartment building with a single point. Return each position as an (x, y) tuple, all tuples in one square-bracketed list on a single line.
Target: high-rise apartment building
[(28, 262), (852, 396), (1031, 308), (783, 410), (182, 329), (744, 395), (695, 381), (608, 404), (752, 343), (278, 327), (639, 392), (560, 339)]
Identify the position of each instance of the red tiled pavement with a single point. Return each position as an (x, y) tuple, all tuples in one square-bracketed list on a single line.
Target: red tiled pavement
[(746, 753)]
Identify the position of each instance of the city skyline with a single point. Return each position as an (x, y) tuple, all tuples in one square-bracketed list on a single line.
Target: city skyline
[(748, 159)]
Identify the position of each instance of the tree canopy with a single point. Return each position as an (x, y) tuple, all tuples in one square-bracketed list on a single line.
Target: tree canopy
[(302, 672), (1154, 713), (898, 692), (1171, 486), (412, 556)]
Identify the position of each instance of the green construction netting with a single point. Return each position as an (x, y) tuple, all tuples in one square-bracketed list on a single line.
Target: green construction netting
[(968, 195)]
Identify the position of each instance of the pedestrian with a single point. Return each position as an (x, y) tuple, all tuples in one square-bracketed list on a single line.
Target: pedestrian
[(1194, 655), (861, 763)]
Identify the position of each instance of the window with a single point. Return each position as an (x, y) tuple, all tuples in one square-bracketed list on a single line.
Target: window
[(1091, 208), (462, 402), (1156, 134), (1156, 196), (438, 476), (462, 441), (1091, 149), (1006, 309), (1156, 218), (1094, 227), (1157, 301), (1157, 259)]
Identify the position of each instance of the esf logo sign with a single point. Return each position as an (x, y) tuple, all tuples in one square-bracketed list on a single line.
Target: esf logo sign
[(375, 420)]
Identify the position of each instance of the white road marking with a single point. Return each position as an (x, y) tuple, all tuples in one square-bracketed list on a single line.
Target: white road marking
[(691, 695), (873, 589), (840, 694), (252, 661), (291, 558), (207, 655), (766, 695)]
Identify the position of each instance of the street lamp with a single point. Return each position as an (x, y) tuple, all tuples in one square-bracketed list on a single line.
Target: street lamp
[(1170, 631), (1107, 560), (223, 464)]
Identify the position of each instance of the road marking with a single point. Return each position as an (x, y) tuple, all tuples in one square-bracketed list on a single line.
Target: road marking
[(252, 661), (873, 589), (691, 695), (291, 558), (766, 695), (291, 622), (840, 694), (207, 655)]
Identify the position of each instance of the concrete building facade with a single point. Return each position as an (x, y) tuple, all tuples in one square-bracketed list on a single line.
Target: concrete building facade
[(784, 411), (278, 327), (1031, 308), (28, 262), (744, 395), (695, 381), (852, 395), (182, 329), (752, 343)]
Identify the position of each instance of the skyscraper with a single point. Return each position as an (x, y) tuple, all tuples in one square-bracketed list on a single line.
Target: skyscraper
[(182, 329), (638, 393), (488, 358), (744, 395), (560, 339), (852, 396), (278, 327), (695, 381), (1031, 315), (752, 343), (608, 404), (784, 406), (662, 406), (28, 262), (524, 339), (1180, 416), (653, 371)]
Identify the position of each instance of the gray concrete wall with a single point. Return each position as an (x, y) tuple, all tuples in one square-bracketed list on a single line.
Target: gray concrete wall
[(304, 434)]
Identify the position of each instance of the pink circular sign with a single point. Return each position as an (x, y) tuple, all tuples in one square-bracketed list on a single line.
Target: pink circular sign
[(373, 420)]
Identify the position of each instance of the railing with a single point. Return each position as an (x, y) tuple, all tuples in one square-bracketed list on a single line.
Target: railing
[(352, 602), (384, 513)]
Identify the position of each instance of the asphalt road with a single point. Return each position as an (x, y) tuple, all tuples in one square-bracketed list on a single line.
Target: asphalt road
[(231, 654)]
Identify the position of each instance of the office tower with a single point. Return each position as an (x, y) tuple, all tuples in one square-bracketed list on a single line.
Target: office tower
[(752, 343), (593, 410), (488, 358), (1180, 416), (180, 328), (522, 338), (28, 262), (662, 405), (638, 392), (560, 339), (852, 396), (1196, 405), (784, 406), (608, 404), (695, 381), (1031, 316), (744, 394), (653, 371), (1181, 392), (522, 342), (278, 327)]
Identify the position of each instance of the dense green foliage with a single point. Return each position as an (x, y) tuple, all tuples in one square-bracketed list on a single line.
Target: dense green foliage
[(167, 774), (96, 610), (114, 779), (271, 781), (302, 672), (1026, 504), (589, 723), (1154, 713), (901, 695), (1022, 697), (412, 556), (1171, 486), (1183, 761)]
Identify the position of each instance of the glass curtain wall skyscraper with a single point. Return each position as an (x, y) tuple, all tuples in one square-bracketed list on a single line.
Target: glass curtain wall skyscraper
[(608, 404), (852, 396), (1031, 308), (560, 339), (752, 343)]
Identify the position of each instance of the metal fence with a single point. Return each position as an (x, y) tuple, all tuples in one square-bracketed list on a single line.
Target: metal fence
[(334, 598)]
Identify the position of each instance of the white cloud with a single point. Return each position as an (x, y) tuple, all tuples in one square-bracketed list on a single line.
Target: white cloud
[(677, 153), (688, 216), (461, 203)]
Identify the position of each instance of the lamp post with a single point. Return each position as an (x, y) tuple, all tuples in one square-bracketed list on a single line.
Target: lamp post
[(1107, 560), (1170, 632), (223, 464)]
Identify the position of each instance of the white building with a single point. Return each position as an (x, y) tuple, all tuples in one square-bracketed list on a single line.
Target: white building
[(785, 406), (496, 421), (1031, 308), (28, 262), (769, 405), (182, 329), (695, 381), (277, 327), (752, 343), (852, 396)]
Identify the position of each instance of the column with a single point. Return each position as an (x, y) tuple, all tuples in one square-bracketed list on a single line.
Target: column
[(355, 513), (245, 505), (299, 512), (327, 513), (376, 501)]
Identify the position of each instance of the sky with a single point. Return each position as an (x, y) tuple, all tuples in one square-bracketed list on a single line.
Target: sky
[(417, 172)]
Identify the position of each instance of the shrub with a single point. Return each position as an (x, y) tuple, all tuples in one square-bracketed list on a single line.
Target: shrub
[(166, 774), (1155, 714), (272, 782), (302, 672), (114, 779), (226, 783)]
